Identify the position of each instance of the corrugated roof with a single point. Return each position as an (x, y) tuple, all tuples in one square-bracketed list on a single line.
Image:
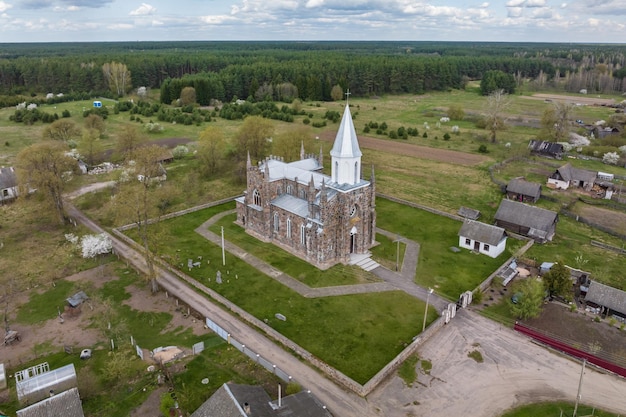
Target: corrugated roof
[(520, 186), (66, 404), (607, 296), (481, 232), (8, 179), (346, 142), (292, 204), (525, 215)]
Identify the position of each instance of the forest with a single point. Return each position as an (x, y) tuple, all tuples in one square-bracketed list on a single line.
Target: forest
[(307, 70)]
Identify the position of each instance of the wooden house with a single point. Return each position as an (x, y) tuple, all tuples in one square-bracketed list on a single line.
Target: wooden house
[(536, 223), (521, 190), (482, 238), (611, 301), (66, 404), (568, 176)]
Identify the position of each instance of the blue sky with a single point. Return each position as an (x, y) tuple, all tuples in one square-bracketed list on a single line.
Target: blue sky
[(601, 21)]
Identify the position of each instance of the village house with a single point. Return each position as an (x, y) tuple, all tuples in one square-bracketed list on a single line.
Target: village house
[(609, 301), (567, 176), (8, 185), (548, 149), (482, 238), (521, 190), (236, 400), (526, 220), (322, 219)]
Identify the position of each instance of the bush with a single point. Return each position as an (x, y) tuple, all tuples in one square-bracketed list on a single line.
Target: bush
[(366, 129), (446, 136), (318, 124), (180, 151), (306, 121), (393, 134), (425, 135), (483, 149), (66, 113)]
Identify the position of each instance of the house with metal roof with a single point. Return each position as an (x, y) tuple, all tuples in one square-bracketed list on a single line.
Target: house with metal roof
[(66, 404), (322, 219), (482, 238), (8, 184), (468, 213), (235, 400), (568, 176), (526, 220), (519, 189), (610, 300)]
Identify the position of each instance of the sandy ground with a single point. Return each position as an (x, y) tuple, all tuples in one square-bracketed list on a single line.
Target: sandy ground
[(416, 151), (580, 99)]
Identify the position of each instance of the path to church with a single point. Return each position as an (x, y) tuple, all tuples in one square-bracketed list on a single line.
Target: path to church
[(515, 370), (392, 281)]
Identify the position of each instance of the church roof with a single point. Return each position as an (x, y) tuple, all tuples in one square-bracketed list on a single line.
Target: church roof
[(280, 170), (346, 143), (292, 204)]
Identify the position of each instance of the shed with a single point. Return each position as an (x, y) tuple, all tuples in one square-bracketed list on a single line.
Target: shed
[(482, 238), (77, 299), (549, 149), (519, 189), (534, 222), (8, 184), (469, 213), (66, 404), (611, 299)]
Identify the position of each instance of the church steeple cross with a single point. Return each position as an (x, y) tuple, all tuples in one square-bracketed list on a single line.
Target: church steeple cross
[(348, 93)]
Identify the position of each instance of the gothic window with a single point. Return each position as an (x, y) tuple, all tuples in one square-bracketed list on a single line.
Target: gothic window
[(279, 190), (302, 194), (302, 235), (288, 228), (276, 222), (256, 196), (356, 172), (289, 189), (353, 211)]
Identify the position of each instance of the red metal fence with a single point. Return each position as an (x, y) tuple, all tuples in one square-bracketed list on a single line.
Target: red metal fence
[(602, 363)]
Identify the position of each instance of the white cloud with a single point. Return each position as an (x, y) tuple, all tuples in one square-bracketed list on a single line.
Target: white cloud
[(593, 22), (515, 3), (542, 13), (4, 6), (314, 3), (143, 10), (515, 12), (563, 5), (484, 5), (535, 3), (216, 20), (121, 26)]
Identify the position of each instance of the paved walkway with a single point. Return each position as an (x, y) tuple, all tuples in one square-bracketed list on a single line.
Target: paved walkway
[(392, 281)]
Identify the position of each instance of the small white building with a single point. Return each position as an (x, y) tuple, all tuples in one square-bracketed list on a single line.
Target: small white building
[(8, 184), (482, 238)]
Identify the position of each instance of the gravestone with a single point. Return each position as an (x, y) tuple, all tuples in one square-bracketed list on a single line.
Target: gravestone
[(218, 278)]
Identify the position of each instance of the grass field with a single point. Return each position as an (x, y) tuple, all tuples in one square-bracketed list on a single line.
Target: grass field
[(374, 327)]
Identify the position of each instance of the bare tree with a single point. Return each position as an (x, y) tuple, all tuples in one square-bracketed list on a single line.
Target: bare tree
[(187, 96), (117, 77), (62, 129), (497, 102), (138, 202), (129, 139), (211, 150), (43, 166)]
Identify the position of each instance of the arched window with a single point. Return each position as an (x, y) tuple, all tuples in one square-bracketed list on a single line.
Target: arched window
[(302, 235), (289, 189), (303, 194), (356, 172), (336, 179), (279, 190), (276, 222), (256, 197), (288, 228)]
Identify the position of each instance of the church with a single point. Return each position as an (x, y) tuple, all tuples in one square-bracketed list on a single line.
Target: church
[(322, 219)]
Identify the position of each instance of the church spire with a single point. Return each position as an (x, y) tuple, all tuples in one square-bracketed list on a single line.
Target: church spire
[(346, 154), (302, 150), (248, 161), (321, 160)]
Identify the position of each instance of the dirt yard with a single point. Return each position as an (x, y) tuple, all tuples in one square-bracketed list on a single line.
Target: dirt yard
[(416, 151), (610, 219), (580, 99), (52, 335)]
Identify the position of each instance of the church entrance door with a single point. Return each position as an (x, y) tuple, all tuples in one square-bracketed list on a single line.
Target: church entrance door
[(353, 240)]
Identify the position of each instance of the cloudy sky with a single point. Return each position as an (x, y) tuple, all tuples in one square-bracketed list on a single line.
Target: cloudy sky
[(445, 20)]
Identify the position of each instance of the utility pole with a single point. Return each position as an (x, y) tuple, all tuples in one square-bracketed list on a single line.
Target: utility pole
[(580, 386), (223, 252), (430, 291)]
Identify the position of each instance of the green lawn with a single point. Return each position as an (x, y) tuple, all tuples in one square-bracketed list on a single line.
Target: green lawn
[(372, 330), (438, 267)]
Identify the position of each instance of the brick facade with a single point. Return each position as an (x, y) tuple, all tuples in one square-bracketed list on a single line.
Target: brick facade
[(295, 207)]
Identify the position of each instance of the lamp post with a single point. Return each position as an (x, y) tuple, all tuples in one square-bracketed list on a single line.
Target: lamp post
[(397, 241), (430, 291)]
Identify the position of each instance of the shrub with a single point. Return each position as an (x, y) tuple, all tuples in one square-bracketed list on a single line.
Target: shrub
[(425, 135), (483, 149), (446, 136), (366, 129), (306, 121), (610, 158), (180, 151), (383, 126), (318, 124), (393, 134), (476, 355), (66, 113), (293, 388)]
